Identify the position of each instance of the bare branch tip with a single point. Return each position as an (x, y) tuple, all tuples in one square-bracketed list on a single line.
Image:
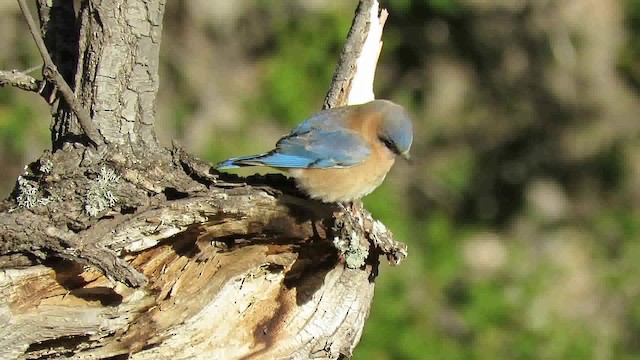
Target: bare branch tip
[(18, 79), (384, 14)]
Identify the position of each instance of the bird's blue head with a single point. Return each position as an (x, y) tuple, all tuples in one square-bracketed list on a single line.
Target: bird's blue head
[(396, 129)]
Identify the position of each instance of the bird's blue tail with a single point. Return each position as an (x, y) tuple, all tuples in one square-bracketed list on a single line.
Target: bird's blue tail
[(251, 160)]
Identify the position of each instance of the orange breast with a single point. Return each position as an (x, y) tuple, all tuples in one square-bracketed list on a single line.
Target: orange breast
[(345, 184), (348, 184)]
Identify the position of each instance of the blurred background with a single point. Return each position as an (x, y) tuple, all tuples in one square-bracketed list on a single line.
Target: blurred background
[(522, 208)]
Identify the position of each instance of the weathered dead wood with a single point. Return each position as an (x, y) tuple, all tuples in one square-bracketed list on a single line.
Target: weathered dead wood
[(238, 262), (133, 250)]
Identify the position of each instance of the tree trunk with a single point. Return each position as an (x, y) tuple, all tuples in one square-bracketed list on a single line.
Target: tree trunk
[(122, 248)]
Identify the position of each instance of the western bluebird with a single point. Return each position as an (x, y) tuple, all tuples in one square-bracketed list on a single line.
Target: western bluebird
[(340, 154)]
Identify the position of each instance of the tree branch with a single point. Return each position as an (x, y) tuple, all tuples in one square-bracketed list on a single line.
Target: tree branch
[(51, 73), (19, 80), (353, 79)]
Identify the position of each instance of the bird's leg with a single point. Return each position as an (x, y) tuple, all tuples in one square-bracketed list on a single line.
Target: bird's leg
[(356, 206), (350, 206), (343, 206)]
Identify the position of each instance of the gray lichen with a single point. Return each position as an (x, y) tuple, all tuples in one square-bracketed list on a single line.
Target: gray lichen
[(46, 166), (351, 249), (100, 196), (29, 194)]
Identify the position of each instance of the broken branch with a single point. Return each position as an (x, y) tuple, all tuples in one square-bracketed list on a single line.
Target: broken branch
[(51, 73)]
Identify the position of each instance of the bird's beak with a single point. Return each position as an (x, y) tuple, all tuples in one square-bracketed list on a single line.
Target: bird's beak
[(406, 156)]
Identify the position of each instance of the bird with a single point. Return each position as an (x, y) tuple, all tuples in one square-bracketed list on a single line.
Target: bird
[(341, 154)]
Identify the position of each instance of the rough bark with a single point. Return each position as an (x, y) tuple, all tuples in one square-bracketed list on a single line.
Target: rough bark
[(130, 250)]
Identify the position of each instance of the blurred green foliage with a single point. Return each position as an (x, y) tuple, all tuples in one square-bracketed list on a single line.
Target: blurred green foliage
[(521, 211), (20, 131), (15, 123), (296, 76), (629, 62), (23, 116)]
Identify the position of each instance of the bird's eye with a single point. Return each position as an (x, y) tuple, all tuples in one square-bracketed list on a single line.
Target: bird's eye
[(389, 144)]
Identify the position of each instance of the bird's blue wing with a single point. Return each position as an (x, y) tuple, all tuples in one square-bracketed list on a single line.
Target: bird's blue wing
[(319, 148), (329, 120), (321, 141)]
